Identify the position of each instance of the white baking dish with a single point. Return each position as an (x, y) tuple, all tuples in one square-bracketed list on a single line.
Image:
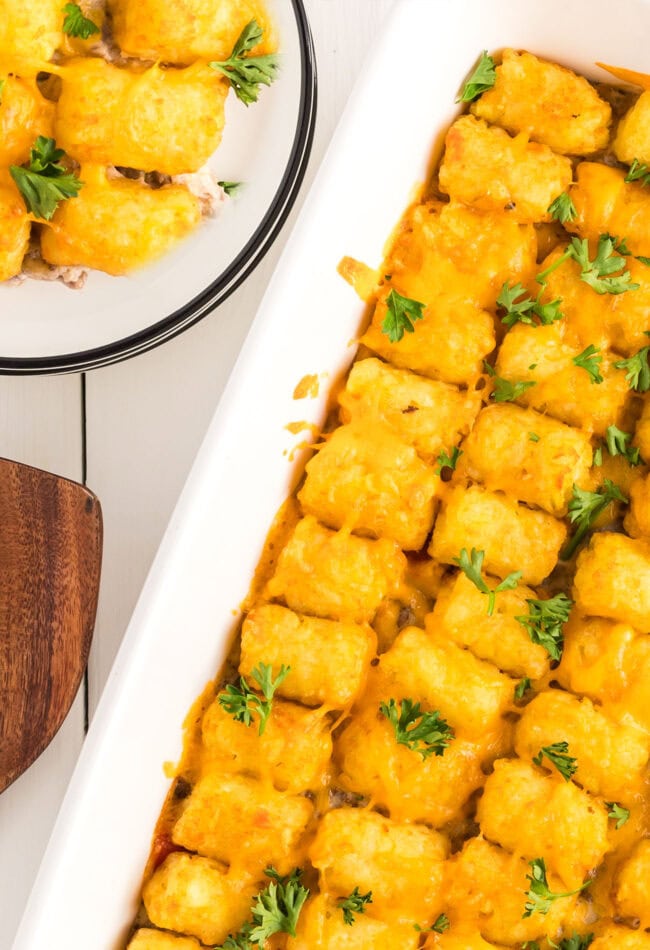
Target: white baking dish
[(87, 889)]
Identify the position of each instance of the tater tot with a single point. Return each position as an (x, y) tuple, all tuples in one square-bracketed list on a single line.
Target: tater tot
[(633, 133), (460, 613), (562, 389), (513, 537), (632, 885), (15, 228), (195, 895), (294, 749), (322, 927), (528, 456), (427, 414), (401, 864), (613, 579), (548, 102), (148, 939), (539, 815), (486, 169), (328, 660), (336, 575), (637, 519), (621, 938), (24, 115), (164, 120), (31, 29), (606, 204), (610, 758), (220, 806)]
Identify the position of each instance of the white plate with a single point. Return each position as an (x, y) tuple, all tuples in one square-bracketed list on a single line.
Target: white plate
[(48, 328), (88, 886)]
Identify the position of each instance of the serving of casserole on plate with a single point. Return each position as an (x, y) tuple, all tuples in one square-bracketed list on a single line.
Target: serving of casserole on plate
[(433, 731)]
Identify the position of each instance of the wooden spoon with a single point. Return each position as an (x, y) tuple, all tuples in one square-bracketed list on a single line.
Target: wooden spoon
[(50, 562)]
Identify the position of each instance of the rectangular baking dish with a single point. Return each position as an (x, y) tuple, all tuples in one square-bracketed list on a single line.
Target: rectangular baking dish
[(87, 889)]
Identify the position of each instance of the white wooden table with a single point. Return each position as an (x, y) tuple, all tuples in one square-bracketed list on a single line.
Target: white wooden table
[(132, 431)]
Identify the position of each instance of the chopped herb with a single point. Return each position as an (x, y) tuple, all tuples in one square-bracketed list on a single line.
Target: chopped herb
[(522, 687), (238, 941), (503, 390), (562, 209), (617, 443), (575, 942), (44, 183), (402, 314), (638, 172), (439, 926), (424, 732), (247, 73), (482, 79), (472, 565), (599, 273), (618, 813), (637, 369), (230, 187), (277, 908), (533, 437), (644, 260), (243, 704), (448, 461), (76, 24), (590, 362), (540, 897), (585, 507), (598, 456), (544, 622), (354, 903), (558, 755), (520, 307)]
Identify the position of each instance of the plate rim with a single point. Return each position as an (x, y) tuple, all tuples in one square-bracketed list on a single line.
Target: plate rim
[(235, 273)]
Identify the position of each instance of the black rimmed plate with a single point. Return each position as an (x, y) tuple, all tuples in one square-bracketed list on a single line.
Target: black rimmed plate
[(48, 328)]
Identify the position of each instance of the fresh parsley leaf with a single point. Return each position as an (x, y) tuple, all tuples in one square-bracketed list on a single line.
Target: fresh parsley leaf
[(585, 507), (644, 260), (544, 622), (482, 79), (638, 172), (45, 182), (558, 755), (520, 307), (533, 437), (522, 687), (230, 187), (617, 443), (637, 369), (618, 813), (599, 272), (502, 389), (562, 209), (76, 24), (598, 456), (440, 924), (246, 73), (402, 314), (472, 565), (354, 903), (243, 704), (590, 362), (277, 908), (238, 941), (424, 732), (448, 461), (540, 897), (575, 942)]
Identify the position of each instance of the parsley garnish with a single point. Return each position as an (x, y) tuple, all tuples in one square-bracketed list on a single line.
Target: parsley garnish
[(575, 942), (558, 755), (429, 736), (617, 444), (618, 812), (76, 24), (243, 704), (638, 172), (590, 362), (238, 941), (246, 73), (599, 273), (522, 687), (584, 509), (230, 187), (277, 907), (483, 78), (544, 622), (533, 437), (637, 369), (523, 310), (540, 897), (503, 390), (402, 314), (472, 564), (562, 209), (353, 904), (45, 182), (448, 461), (439, 926)]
